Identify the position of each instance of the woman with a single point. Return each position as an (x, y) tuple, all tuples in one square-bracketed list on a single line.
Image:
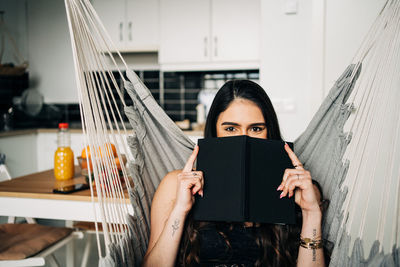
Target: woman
[(240, 107)]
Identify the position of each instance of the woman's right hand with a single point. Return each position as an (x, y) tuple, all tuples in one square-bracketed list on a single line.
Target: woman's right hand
[(188, 184)]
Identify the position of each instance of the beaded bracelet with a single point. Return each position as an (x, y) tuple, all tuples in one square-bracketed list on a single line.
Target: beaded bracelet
[(309, 243)]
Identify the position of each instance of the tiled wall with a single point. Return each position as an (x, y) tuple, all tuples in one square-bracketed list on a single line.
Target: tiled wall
[(176, 92)]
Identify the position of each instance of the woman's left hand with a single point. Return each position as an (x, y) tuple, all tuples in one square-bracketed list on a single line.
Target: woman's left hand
[(298, 181)]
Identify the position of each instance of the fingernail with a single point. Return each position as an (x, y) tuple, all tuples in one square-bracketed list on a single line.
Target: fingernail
[(281, 196), (286, 144), (279, 188), (201, 193)]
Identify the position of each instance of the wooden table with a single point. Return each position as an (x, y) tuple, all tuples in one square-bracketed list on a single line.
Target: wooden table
[(32, 196)]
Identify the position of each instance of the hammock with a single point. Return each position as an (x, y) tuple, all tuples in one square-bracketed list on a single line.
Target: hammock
[(349, 146)]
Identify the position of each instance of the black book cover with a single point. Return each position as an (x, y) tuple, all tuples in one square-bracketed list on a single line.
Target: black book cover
[(241, 175)]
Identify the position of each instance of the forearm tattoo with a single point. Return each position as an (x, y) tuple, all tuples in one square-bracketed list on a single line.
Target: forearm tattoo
[(314, 251), (175, 226)]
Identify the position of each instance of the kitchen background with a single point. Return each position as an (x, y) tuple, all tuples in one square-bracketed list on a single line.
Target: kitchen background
[(183, 50)]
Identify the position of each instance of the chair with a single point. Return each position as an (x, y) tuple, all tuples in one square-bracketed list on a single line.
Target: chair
[(88, 228), (19, 239), (22, 245)]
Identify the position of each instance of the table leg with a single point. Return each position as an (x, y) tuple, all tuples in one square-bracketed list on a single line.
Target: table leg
[(70, 248)]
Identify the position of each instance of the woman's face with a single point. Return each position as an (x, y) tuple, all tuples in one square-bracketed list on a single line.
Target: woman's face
[(242, 117)]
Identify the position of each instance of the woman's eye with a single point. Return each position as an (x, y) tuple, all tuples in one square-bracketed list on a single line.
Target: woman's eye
[(229, 129), (257, 129)]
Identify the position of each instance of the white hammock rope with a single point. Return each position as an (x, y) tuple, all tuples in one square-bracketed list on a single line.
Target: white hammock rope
[(96, 98), (372, 127), (362, 133)]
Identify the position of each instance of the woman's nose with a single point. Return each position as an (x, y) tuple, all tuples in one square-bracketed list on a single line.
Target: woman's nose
[(243, 132)]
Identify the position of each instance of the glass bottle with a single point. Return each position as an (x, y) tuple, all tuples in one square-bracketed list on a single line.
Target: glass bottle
[(64, 168)]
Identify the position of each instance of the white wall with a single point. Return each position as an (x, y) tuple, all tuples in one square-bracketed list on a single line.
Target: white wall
[(50, 54), (15, 20), (41, 33), (285, 62), (304, 53), (347, 23), (20, 151)]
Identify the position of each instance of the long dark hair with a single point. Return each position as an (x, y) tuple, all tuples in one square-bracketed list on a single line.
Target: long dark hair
[(279, 243), (242, 89)]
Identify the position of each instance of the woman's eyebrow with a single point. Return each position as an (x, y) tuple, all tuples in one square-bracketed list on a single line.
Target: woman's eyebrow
[(230, 123), (237, 124), (258, 124)]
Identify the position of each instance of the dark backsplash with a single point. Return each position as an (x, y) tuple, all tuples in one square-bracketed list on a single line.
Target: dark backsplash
[(175, 92)]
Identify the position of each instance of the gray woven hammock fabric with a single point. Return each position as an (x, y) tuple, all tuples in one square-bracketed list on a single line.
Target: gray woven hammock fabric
[(321, 148), (158, 147), (156, 134)]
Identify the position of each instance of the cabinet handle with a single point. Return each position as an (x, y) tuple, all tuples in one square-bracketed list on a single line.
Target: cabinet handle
[(205, 46), (130, 30), (121, 31), (216, 46)]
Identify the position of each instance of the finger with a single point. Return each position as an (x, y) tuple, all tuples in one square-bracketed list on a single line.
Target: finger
[(301, 181), (293, 181), (189, 164), (295, 161), (194, 174), (201, 192), (197, 173), (199, 176), (192, 185), (289, 187), (191, 174), (197, 187), (294, 184), (188, 182), (286, 174)]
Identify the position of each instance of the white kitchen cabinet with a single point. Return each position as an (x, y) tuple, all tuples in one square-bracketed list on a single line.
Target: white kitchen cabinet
[(213, 31), (20, 151), (184, 31), (236, 30), (142, 25), (132, 24)]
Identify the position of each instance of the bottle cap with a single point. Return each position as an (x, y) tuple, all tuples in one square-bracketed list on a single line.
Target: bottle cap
[(63, 125)]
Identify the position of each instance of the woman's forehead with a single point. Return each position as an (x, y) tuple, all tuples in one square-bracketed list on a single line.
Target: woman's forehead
[(242, 110)]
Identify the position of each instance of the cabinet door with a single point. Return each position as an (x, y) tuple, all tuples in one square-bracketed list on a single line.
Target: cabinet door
[(112, 15), (184, 31), (142, 22), (236, 30)]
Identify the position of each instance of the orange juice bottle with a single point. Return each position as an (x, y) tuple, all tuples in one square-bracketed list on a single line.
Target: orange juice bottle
[(64, 156)]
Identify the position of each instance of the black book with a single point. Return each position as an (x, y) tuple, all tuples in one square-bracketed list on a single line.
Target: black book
[(241, 175)]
